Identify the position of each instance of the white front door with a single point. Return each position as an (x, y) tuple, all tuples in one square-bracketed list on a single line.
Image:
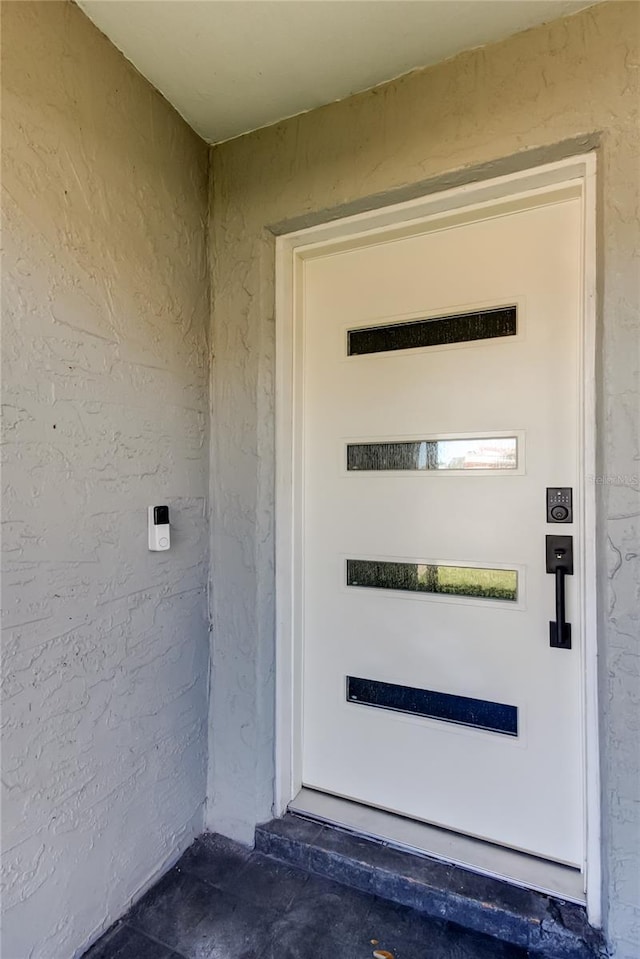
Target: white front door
[(440, 401)]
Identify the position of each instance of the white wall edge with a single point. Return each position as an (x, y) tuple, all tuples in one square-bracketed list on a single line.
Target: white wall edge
[(593, 865), (291, 250)]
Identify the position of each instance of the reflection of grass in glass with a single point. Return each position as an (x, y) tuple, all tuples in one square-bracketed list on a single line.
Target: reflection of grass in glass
[(466, 581), (424, 578)]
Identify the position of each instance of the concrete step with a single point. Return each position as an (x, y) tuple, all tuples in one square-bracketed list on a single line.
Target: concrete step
[(548, 928)]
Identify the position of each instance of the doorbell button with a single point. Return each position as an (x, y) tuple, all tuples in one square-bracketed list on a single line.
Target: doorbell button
[(159, 528), (559, 504)]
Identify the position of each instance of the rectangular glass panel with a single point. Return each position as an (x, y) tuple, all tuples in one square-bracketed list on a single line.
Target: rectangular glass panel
[(497, 453), (425, 578), (436, 331), (481, 713)]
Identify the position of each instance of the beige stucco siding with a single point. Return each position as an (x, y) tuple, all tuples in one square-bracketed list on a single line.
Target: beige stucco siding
[(105, 386)]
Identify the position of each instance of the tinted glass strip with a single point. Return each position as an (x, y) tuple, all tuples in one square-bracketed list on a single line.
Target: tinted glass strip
[(439, 331), (481, 713), (497, 453), (425, 578)]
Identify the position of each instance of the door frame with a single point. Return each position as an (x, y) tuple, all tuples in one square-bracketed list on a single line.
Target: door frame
[(386, 222)]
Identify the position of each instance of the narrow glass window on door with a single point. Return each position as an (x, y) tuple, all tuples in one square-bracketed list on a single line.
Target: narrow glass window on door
[(480, 453), (427, 578), (434, 331), (450, 708)]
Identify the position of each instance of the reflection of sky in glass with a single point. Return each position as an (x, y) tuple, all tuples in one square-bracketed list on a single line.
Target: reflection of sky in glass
[(496, 453), (480, 453)]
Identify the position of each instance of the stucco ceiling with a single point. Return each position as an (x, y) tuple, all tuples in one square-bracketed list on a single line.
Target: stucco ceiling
[(230, 66)]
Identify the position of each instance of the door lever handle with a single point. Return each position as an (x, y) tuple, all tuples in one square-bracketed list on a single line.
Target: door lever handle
[(560, 563)]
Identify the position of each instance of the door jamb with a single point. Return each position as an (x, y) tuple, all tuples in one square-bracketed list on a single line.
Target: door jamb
[(290, 251)]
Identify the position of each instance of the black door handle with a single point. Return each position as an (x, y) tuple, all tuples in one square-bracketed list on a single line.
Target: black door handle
[(560, 563)]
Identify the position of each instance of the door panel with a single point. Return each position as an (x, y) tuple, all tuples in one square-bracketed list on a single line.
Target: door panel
[(524, 790)]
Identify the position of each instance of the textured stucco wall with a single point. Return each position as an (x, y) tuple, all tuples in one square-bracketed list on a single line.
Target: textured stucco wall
[(105, 381), (577, 79)]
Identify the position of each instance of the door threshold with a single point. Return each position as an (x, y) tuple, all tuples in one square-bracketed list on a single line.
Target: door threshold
[(476, 855)]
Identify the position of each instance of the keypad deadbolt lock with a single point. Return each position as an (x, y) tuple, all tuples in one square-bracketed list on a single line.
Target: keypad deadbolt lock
[(559, 504)]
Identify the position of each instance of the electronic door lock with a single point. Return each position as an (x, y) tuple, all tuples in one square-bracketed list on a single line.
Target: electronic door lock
[(559, 504)]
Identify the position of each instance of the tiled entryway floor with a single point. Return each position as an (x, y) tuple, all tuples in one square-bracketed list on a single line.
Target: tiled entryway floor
[(222, 901)]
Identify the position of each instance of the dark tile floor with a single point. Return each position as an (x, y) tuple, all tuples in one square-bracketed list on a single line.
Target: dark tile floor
[(222, 901)]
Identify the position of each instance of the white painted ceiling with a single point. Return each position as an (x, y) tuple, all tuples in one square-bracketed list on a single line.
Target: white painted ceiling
[(230, 66)]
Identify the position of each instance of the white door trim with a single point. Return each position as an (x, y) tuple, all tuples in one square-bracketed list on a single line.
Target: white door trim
[(291, 250)]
